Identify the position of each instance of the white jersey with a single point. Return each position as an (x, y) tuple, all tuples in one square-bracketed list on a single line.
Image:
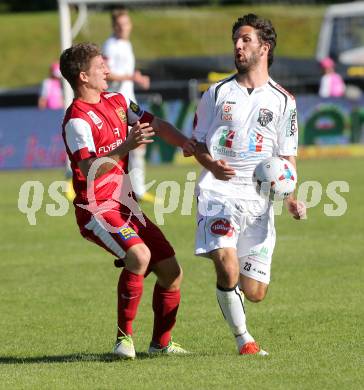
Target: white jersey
[(243, 128), (121, 61)]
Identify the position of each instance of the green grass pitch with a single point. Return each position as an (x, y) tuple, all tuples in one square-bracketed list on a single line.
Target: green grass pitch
[(58, 300)]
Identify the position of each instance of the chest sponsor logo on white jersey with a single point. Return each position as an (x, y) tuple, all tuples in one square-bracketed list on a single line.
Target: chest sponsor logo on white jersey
[(109, 148), (265, 116), (226, 114), (251, 155), (227, 138), (227, 108), (227, 117), (98, 122), (255, 142)]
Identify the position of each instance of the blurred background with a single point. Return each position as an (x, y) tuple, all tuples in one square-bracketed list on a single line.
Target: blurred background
[(183, 46)]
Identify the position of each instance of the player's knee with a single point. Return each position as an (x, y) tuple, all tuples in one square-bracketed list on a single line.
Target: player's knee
[(176, 278), (169, 273), (138, 258), (228, 274), (255, 295), (143, 257)]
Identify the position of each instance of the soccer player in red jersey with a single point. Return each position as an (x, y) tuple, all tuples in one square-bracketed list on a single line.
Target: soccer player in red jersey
[(95, 132)]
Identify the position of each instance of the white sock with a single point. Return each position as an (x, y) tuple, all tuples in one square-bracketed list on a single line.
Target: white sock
[(232, 307)]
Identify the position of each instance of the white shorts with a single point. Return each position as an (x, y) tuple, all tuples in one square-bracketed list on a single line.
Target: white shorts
[(246, 225)]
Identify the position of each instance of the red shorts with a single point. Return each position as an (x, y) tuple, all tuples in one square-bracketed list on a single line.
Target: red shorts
[(126, 230)]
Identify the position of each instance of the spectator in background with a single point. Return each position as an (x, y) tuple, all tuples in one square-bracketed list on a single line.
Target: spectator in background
[(331, 84), (118, 52), (51, 95)]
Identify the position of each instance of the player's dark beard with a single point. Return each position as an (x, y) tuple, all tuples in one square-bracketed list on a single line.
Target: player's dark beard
[(245, 67)]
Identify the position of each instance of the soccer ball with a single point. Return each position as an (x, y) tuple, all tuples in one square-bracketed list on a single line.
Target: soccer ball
[(275, 177)]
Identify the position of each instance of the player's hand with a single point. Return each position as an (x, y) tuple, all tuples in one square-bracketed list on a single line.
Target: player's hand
[(222, 170), (189, 147), (139, 135), (296, 208), (142, 80)]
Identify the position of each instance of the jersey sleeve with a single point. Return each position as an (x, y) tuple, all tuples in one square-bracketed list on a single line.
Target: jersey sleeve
[(79, 139), (135, 113), (203, 116), (288, 130)]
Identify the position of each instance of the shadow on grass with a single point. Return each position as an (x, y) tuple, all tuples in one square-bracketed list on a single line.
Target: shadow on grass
[(72, 358)]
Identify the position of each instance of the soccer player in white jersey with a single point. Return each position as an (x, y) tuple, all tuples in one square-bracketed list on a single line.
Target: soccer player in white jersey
[(118, 52), (239, 122)]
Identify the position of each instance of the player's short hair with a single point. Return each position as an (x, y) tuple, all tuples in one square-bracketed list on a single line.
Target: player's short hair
[(116, 13), (77, 59), (265, 29)]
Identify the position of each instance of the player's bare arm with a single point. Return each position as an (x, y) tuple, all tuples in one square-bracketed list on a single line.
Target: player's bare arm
[(168, 132), (139, 134), (189, 147), (295, 207), (220, 168)]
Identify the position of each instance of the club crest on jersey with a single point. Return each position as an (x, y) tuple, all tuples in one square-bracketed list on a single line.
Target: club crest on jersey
[(221, 227), (135, 108), (265, 116), (98, 122), (121, 114), (227, 138)]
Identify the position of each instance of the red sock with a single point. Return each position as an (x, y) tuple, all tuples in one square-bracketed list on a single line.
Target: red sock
[(130, 290), (165, 307)]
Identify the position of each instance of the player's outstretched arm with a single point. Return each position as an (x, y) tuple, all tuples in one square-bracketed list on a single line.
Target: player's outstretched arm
[(139, 135), (168, 132), (294, 206), (220, 168)]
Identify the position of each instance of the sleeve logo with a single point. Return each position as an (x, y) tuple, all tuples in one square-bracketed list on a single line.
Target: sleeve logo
[(292, 123), (136, 109)]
